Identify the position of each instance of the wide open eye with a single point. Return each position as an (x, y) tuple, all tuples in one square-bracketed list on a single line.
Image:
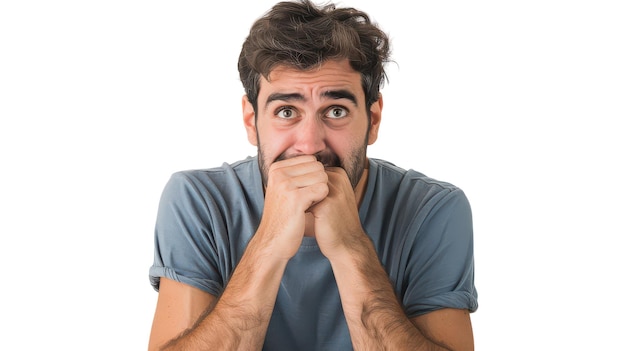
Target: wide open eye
[(286, 112), (336, 112)]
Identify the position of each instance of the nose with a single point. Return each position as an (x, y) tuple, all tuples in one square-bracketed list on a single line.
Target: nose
[(311, 137)]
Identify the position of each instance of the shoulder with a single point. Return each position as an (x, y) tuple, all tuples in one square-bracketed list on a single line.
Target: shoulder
[(386, 173), (242, 168), (412, 193), (224, 175), (225, 181)]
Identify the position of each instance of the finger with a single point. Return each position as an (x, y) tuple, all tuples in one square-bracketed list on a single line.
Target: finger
[(292, 161), (298, 173), (337, 175)]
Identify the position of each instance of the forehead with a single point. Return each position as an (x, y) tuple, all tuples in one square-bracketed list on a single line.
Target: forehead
[(331, 75)]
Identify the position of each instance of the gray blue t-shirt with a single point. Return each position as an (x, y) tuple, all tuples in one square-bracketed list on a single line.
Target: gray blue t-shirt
[(421, 229)]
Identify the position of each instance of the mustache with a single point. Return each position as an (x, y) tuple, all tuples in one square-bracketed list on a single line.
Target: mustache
[(328, 159)]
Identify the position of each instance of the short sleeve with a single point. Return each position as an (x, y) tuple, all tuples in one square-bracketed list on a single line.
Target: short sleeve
[(185, 249), (441, 263)]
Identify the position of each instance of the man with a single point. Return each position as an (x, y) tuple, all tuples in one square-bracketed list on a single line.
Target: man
[(311, 245)]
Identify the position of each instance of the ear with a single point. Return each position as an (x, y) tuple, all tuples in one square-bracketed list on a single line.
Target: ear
[(249, 120), (375, 115)]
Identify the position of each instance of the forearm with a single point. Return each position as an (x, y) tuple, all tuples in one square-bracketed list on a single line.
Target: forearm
[(240, 317), (374, 315)]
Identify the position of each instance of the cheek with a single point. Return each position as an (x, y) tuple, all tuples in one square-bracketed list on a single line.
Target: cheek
[(344, 144), (274, 144)]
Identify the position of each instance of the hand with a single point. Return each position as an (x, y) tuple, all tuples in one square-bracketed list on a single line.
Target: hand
[(336, 217), (293, 186)]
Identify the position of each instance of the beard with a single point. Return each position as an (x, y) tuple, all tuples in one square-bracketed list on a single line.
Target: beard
[(353, 164)]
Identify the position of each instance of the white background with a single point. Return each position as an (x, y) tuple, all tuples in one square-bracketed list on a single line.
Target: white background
[(520, 103)]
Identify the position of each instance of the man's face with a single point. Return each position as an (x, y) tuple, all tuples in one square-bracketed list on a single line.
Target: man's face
[(319, 112)]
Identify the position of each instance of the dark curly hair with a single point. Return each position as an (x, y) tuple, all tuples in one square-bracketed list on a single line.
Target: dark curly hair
[(303, 35)]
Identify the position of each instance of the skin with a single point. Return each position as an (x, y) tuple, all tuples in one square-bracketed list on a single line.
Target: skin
[(312, 156)]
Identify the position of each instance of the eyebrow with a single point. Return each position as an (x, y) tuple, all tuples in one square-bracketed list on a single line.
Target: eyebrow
[(284, 97), (332, 94), (340, 94)]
